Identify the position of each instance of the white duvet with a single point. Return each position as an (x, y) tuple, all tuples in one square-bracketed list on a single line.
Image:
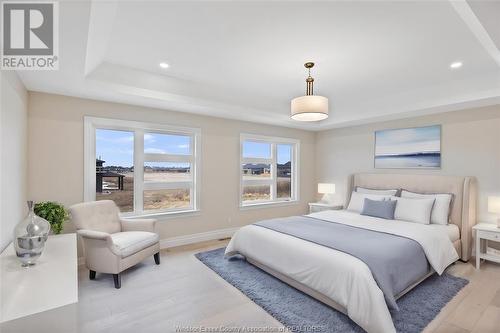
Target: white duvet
[(337, 275)]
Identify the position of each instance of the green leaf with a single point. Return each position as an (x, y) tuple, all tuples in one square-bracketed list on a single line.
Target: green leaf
[(53, 212)]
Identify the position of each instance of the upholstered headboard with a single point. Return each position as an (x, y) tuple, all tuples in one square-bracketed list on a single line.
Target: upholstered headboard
[(464, 189)]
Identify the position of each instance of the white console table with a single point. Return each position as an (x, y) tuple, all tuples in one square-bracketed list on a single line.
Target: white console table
[(51, 283)]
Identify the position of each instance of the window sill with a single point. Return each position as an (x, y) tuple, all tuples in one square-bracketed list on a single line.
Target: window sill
[(271, 204), (165, 215)]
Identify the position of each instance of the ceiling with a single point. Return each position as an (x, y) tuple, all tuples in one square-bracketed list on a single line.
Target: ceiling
[(243, 60)]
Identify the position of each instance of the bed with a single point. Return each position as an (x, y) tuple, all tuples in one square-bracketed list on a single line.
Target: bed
[(345, 282)]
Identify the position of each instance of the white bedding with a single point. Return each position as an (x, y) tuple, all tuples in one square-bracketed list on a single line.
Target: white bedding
[(451, 230), (337, 275)]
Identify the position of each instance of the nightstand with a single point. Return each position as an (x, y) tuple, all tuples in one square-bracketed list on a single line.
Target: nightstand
[(315, 207), (486, 232)]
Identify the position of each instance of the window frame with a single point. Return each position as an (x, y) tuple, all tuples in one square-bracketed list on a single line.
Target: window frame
[(91, 124), (273, 180)]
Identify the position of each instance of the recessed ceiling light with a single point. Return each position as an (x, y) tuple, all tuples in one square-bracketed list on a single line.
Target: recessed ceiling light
[(164, 65), (456, 64)]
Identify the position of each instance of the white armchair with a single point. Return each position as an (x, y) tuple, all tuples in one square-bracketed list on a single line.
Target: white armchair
[(112, 244)]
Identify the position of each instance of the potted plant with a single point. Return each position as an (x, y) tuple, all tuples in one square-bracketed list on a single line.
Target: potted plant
[(53, 212)]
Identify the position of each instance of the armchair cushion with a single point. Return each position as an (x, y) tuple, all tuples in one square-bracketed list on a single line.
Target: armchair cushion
[(138, 224), (130, 242)]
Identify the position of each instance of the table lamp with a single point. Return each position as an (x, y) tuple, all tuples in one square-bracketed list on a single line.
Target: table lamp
[(494, 207), (327, 190)]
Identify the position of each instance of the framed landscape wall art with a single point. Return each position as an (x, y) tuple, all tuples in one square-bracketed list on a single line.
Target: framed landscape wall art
[(418, 147)]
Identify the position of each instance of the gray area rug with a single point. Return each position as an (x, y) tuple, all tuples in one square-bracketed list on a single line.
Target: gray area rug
[(300, 312)]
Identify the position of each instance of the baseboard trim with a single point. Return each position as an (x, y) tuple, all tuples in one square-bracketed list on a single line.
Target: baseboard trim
[(197, 238), (188, 239)]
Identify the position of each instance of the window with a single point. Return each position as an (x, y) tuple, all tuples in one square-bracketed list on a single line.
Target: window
[(269, 170), (114, 163), (144, 168)]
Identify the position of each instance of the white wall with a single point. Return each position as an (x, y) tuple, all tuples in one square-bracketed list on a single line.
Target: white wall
[(56, 156), (13, 153), (470, 147)]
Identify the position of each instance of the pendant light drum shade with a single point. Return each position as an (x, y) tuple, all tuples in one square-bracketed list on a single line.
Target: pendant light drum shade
[(309, 108)]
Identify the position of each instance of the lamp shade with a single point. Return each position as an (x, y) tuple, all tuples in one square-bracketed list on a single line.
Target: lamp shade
[(309, 108), (325, 188), (494, 205)]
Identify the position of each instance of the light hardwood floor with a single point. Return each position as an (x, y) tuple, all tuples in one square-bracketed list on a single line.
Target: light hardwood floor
[(183, 292)]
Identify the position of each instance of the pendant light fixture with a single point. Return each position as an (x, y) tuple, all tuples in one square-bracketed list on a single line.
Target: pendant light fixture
[(309, 107)]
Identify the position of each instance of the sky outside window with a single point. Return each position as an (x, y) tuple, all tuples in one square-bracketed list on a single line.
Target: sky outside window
[(252, 149), (284, 153), (115, 147), (156, 143)]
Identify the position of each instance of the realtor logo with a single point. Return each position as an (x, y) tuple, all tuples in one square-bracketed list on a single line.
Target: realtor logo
[(30, 35)]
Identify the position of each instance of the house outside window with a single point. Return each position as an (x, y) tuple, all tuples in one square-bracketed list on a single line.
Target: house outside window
[(145, 168), (268, 170)]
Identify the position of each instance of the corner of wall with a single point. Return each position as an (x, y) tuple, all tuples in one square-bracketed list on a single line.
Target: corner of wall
[(13, 153)]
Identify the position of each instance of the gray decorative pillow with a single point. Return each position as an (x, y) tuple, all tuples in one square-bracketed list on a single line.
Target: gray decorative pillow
[(383, 209)]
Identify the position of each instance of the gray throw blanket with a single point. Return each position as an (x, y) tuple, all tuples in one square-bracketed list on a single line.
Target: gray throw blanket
[(395, 262)]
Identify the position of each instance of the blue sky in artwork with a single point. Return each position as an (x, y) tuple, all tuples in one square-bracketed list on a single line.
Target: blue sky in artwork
[(408, 140), (263, 150)]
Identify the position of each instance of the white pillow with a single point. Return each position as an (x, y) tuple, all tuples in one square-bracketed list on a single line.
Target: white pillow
[(378, 192), (441, 210), (413, 210), (358, 200)]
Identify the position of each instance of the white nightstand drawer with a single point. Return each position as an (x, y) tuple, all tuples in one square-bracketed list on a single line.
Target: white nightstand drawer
[(494, 236)]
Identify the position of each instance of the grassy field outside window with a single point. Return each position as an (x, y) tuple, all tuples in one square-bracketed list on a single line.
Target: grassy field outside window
[(268, 169)]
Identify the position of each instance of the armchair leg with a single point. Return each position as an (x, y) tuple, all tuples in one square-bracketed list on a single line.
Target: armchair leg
[(157, 258), (91, 274), (118, 281)]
